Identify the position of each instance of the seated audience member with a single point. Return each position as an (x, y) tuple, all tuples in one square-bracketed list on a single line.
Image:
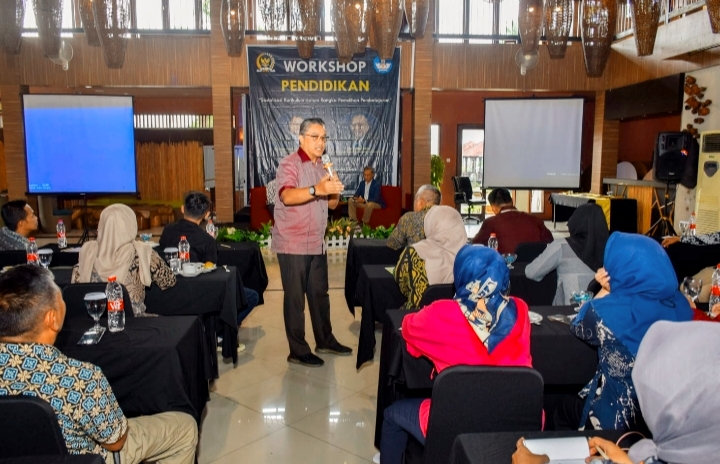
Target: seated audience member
[(639, 289), (430, 261), (31, 316), (20, 221), (203, 247), (116, 253), (481, 326), (511, 226), (367, 196), (676, 376), (411, 227), (705, 275), (576, 258)]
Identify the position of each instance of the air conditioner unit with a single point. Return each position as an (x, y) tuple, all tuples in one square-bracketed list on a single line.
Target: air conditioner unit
[(707, 202)]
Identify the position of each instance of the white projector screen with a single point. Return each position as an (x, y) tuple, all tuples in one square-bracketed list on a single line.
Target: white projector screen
[(532, 143)]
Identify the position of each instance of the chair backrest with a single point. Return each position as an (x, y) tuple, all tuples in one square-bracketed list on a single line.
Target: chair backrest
[(74, 298), (463, 189), (528, 251), (12, 258), (437, 292), (28, 427), (472, 399), (259, 212)]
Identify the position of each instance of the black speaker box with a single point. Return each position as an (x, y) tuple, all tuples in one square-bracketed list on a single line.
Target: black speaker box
[(671, 154)]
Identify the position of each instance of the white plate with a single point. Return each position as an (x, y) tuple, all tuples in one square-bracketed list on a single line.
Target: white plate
[(188, 275), (535, 318)]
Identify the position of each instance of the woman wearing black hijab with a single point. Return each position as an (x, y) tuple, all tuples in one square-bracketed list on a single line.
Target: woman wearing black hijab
[(576, 258)]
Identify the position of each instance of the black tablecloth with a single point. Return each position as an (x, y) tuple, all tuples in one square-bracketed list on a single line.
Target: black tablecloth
[(364, 251), (531, 292), (379, 292), (60, 459), (561, 358), (154, 365), (688, 260), (215, 295), (247, 258), (493, 448), (623, 211)]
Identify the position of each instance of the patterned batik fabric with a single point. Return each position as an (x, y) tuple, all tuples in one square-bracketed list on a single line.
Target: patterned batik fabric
[(409, 230), (411, 277), (78, 392), (12, 241), (712, 238), (610, 399)]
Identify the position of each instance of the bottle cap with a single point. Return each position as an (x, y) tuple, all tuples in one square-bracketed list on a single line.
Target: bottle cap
[(112, 279), (32, 239), (182, 237), (492, 234), (60, 221)]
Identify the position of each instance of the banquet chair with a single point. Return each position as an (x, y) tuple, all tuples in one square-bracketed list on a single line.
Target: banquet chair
[(74, 298), (472, 399), (29, 429), (12, 258), (464, 195), (437, 292), (526, 252)]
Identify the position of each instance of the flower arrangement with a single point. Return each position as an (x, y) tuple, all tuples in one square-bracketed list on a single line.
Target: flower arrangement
[(378, 232), (340, 228), (231, 234)]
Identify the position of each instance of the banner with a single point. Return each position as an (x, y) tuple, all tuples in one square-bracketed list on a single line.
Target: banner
[(359, 102)]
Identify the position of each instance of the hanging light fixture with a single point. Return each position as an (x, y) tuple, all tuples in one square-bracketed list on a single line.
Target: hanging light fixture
[(416, 13), (357, 16), (305, 19), (232, 24), (345, 45), (48, 15), (598, 30), (713, 9), (88, 23), (12, 16), (558, 20), (530, 22), (645, 18), (386, 17), (112, 20), (274, 15)]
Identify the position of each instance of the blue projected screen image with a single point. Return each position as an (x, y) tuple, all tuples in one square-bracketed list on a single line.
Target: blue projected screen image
[(79, 144)]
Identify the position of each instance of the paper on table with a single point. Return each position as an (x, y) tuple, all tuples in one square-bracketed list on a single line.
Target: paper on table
[(571, 450), (71, 250), (391, 270)]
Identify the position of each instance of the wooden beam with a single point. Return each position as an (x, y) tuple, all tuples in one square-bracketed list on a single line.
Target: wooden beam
[(14, 134), (422, 110), (605, 146)]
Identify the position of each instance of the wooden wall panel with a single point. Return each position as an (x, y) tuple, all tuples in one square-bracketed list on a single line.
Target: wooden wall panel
[(605, 146), (422, 111), (3, 173), (168, 171), (14, 135)]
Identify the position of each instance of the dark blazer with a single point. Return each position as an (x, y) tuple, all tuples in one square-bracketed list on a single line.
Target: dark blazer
[(374, 196), (202, 246)]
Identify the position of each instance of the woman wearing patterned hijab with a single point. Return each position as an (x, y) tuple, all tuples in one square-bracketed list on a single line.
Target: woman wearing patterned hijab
[(481, 326)]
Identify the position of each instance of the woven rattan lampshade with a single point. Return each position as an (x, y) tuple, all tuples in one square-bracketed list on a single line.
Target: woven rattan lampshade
[(88, 22), (345, 44), (232, 24), (386, 17), (530, 21), (357, 15), (713, 9), (274, 15), (12, 15), (645, 18), (598, 29), (416, 13), (48, 15), (112, 20), (558, 20), (305, 21)]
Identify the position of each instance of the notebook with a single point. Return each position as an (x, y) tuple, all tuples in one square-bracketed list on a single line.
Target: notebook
[(571, 450)]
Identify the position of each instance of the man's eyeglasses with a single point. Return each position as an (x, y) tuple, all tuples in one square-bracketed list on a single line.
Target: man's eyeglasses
[(315, 137)]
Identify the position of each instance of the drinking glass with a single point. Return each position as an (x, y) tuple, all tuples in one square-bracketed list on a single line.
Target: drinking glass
[(145, 237), (581, 298), (692, 287), (45, 257), (684, 228), (170, 253), (95, 303), (510, 258), (175, 266)]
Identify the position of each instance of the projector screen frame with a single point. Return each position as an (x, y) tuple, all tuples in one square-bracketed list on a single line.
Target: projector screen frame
[(535, 98), (83, 195)]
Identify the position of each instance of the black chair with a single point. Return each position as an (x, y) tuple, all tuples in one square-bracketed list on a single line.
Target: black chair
[(464, 195), (74, 297), (437, 292), (473, 399), (12, 258), (526, 252)]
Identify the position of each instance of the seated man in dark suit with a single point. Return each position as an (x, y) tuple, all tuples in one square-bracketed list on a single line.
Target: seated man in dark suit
[(367, 196), (32, 312), (511, 226)]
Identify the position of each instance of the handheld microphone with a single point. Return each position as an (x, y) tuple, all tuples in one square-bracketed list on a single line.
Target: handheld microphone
[(327, 164)]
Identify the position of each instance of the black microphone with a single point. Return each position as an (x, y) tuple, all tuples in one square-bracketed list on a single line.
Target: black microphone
[(327, 164)]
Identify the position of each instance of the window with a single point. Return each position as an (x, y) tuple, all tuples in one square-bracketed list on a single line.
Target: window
[(508, 24), (472, 146), (481, 19), (68, 16), (435, 139), (182, 14), (173, 121), (450, 19), (149, 15)]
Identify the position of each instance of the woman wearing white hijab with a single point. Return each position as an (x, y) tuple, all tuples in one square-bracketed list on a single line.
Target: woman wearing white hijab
[(430, 261), (117, 253)]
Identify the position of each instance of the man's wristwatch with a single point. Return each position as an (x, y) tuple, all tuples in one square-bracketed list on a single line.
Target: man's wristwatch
[(312, 190)]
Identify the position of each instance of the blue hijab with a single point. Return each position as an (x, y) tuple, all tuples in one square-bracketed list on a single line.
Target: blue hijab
[(643, 289), (481, 274)]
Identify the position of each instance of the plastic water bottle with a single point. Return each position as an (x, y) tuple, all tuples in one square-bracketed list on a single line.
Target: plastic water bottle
[(184, 250), (62, 239), (31, 249), (115, 305), (715, 290), (693, 224), (210, 228), (493, 241)]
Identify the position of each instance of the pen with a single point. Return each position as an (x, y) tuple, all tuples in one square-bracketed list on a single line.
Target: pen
[(602, 453)]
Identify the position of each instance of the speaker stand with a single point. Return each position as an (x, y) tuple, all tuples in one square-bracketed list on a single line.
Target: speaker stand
[(663, 226), (86, 230)]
